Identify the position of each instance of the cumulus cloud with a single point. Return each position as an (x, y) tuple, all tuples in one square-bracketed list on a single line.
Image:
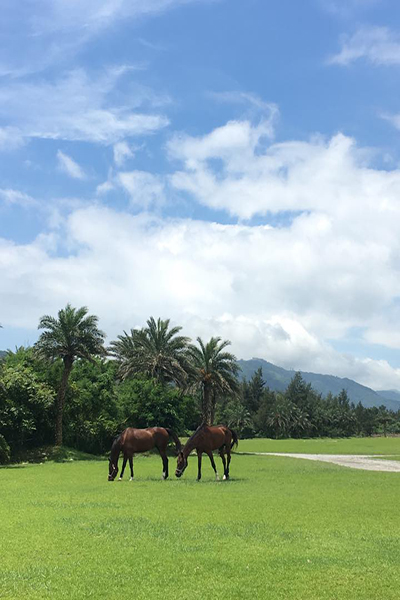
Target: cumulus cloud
[(69, 166), (78, 107), (377, 45)]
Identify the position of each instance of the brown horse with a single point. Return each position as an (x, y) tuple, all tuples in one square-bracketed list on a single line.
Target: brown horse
[(133, 440), (206, 439)]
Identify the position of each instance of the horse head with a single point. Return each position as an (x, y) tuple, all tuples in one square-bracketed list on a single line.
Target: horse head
[(112, 471), (181, 464)]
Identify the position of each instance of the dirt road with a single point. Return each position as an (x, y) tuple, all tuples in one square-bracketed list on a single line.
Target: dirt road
[(353, 461)]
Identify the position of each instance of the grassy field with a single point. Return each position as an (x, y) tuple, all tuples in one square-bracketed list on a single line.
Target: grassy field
[(280, 529), (371, 445)]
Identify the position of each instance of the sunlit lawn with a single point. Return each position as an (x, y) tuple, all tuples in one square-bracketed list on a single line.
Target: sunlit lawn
[(281, 528), (366, 445)]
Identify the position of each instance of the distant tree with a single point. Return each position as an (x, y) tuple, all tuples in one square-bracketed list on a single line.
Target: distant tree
[(252, 391), (156, 351), (73, 335), (214, 372), (299, 392)]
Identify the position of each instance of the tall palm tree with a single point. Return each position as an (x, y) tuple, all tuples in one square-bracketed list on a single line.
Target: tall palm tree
[(156, 351), (74, 334), (215, 373)]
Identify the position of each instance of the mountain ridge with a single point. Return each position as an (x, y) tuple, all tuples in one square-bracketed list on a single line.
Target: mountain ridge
[(278, 378)]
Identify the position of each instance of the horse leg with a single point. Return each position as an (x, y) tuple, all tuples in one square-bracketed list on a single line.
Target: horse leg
[(164, 457), (131, 466), (228, 457), (210, 456), (222, 455), (123, 468), (199, 455)]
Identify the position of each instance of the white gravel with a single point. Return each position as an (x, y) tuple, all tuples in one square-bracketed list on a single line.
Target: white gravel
[(353, 461)]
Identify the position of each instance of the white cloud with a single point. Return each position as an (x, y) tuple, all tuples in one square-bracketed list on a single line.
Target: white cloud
[(105, 187), (15, 197), (77, 107), (235, 170), (145, 189), (69, 166), (122, 153), (378, 45)]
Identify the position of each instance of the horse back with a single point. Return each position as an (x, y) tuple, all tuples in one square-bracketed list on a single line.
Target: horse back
[(140, 440), (214, 437)]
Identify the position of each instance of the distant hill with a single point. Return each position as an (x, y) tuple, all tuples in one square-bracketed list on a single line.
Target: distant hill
[(278, 379), (389, 395)]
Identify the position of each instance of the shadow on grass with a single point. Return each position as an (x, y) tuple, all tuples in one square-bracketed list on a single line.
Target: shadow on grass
[(56, 454)]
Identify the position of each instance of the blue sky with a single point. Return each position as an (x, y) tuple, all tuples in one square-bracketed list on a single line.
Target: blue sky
[(230, 164)]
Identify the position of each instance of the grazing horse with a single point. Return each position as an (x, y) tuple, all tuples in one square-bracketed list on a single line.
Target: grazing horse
[(206, 439), (134, 440)]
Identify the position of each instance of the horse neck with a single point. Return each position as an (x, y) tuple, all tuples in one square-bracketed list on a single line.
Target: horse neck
[(115, 450), (190, 445)]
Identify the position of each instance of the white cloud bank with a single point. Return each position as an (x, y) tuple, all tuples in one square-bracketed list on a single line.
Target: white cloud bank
[(277, 292)]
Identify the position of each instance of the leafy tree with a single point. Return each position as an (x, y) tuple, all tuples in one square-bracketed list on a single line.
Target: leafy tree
[(73, 335), (148, 403), (92, 417), (214, 372), (25, 407), (156, 351)]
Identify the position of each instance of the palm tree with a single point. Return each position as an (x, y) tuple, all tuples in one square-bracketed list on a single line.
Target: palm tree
[(73, 335), (215, 373), (156, 351)]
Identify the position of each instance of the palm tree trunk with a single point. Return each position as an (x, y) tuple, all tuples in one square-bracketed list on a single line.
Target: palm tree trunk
[(61, 399), (212, 407), (206, 408)]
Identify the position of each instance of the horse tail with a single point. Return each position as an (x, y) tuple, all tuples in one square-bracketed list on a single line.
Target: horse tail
[(235, 439), (172, 434)]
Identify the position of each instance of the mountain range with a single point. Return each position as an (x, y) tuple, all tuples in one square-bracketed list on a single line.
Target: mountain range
[(278, 379)]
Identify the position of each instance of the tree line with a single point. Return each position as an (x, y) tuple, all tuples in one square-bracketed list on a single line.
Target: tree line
[(69, 388)]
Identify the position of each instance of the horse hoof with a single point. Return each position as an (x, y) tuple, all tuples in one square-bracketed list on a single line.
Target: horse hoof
[(120, 479), (224, 478), (131, 479)]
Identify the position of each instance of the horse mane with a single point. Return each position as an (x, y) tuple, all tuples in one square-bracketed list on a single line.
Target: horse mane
[(195, 433), (116, 446)]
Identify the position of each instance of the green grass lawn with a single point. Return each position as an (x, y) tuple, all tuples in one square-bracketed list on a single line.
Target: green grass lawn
[(284, 529), (366, 445)]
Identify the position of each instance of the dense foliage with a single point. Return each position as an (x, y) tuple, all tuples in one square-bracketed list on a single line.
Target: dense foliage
[(176, 385)]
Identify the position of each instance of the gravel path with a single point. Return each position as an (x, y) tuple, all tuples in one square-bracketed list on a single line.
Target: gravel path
[(354, 461)]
